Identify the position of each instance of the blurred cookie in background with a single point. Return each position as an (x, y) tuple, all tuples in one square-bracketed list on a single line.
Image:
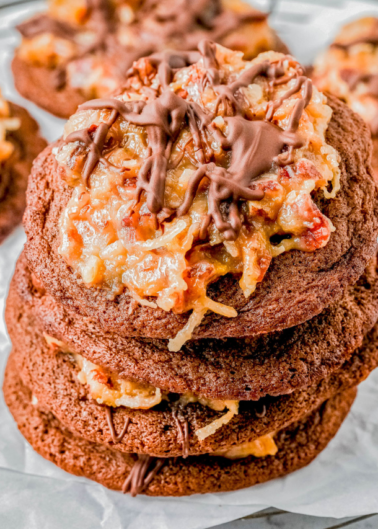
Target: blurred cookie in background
[(349, 70), (79, 50), (20, 143)]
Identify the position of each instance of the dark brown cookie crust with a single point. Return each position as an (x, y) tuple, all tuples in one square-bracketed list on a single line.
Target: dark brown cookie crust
[(298, 285), (297, 445), (243, 369), (52, 377), (27, 144)]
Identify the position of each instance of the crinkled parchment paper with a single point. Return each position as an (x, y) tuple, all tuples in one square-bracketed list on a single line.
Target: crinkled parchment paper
[(343, 480)]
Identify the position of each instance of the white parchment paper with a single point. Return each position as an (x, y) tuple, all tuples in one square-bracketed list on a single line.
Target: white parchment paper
[(343, 480)]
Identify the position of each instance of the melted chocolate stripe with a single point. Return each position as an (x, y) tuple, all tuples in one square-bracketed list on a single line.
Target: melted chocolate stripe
[(142, 473), (166, 62), (183, 429), (45, 24), (274, 105), (95, 146), (109, 418)]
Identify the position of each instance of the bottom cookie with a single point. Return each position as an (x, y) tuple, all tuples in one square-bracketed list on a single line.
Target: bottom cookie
[(297, 446)]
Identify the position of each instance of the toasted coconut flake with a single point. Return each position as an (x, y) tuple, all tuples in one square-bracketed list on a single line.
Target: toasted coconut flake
[(261, 447), (210, 429)]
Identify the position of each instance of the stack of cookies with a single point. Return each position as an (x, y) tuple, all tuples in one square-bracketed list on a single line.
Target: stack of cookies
[(196, 301)]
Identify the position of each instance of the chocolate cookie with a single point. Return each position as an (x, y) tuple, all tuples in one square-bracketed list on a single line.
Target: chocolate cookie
[(240, 369), (297, 286), (14, 172), (297, 446), (52, 377)]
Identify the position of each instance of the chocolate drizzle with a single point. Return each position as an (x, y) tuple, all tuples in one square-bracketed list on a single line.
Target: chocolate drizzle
[(109, 418), (183, 429), (95, 145), (45, 24), (142, 473), (254, 145), (166, 62), (163, 119)]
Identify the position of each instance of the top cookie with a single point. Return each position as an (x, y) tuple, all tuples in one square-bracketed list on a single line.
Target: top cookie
[(82, 49), (221, 173)]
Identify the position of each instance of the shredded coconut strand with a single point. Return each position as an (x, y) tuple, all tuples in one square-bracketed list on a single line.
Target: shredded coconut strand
[(210, 429), (186, 332), (195, 319), (142, 301), (171, 233)]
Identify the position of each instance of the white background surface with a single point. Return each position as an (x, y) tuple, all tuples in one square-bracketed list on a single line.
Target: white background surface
[(343, 481)]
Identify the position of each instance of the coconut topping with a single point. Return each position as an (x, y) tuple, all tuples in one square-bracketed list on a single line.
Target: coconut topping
[(195, 171)]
